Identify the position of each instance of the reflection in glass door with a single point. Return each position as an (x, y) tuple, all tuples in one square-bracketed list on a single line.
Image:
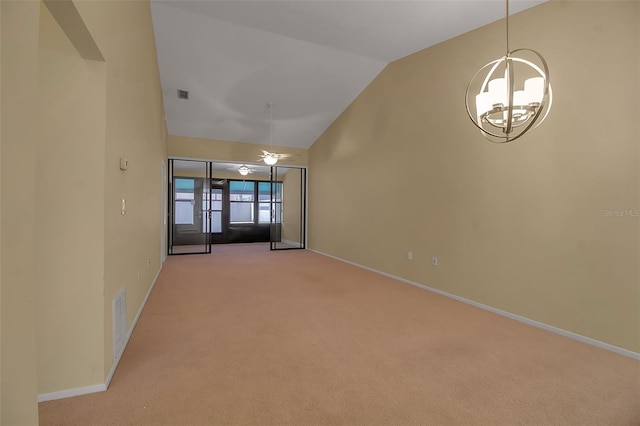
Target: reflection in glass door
[(288, 207), (190, 207)]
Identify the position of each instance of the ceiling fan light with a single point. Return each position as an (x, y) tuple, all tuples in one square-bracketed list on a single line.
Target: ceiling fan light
[(243, 170), (270, 159)]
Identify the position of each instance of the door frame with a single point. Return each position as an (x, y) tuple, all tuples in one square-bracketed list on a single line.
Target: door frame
[(277, 227)]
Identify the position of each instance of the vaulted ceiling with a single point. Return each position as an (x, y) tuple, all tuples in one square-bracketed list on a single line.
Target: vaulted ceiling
[(310, 58)]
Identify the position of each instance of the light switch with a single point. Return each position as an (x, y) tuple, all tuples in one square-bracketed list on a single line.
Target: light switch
[(124, 164)]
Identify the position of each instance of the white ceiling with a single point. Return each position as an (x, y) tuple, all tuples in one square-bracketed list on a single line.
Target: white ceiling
[(309, 57)]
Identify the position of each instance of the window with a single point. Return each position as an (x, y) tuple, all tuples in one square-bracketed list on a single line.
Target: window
[(241, 201), (216, 210), (184, 201), (264, 198)]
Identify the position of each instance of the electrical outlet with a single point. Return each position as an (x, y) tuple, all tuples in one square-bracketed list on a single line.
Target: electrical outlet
[(434, 261), (410, 255), (123, 208)]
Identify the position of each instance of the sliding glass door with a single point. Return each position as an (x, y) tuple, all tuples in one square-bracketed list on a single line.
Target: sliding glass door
[(190, 207), (208, 204), (288, 201)]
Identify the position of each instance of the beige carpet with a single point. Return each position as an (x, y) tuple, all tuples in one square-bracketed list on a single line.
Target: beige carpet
[(245, 336)]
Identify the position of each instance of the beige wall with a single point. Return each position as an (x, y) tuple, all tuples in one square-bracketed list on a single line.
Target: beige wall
[(70, 205), (19, 29), (219, 150), (522, 227), (135, 129), (65, 248)]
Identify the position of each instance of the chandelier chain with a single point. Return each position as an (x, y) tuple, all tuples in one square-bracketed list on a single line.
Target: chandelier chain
[(507, 23)]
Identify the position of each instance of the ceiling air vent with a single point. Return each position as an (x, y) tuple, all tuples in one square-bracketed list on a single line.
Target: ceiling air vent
[(183, 94)]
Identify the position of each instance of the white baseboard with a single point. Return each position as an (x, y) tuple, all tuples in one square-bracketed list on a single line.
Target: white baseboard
[(291, 243), (519, 318), (67, 393)]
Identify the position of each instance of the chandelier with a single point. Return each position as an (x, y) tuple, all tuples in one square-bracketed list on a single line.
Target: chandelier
[(512, 93)]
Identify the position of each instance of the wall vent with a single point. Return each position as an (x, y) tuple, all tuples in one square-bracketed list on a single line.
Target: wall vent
[(119, 322), (183, 94)]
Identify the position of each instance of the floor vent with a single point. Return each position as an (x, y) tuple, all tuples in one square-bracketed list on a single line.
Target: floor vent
[(119, 322)]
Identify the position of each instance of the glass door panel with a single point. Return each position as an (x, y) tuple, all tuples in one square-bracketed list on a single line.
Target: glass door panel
[(288, 207), (216, 210), (190, 208)]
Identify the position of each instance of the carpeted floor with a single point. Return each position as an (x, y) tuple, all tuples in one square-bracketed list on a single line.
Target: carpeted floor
[(245, 336)]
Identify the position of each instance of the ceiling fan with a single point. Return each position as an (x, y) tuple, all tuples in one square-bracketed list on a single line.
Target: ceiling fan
[(269, 157), (244, 170), (272, 158)]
